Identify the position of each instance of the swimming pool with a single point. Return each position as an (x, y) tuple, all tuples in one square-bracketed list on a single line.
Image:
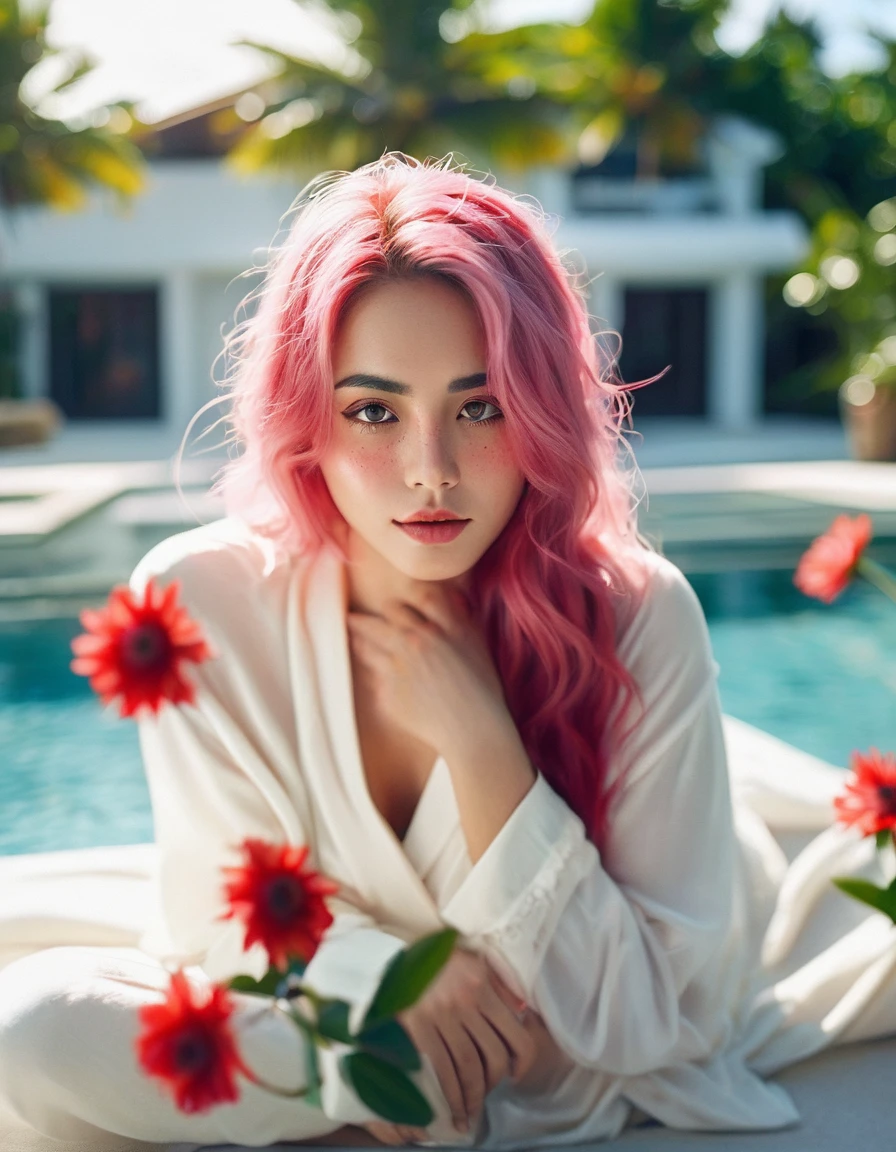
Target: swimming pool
[(822, 678)]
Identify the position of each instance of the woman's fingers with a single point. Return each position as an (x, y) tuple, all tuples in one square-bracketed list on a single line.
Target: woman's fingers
[(470, 1072), (383, 1131), (394, 1134), (511, 1016), (444, 1063), (495, 1053), (513, 1032)]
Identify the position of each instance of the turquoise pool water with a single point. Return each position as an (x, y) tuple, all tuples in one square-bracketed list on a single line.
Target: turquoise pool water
[(822, 678)]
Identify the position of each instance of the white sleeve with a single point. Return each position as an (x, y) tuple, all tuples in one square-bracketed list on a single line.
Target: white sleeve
[(211, 785), (604, 945)]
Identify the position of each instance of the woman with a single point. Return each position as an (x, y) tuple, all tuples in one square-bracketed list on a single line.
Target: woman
[(509, 724)]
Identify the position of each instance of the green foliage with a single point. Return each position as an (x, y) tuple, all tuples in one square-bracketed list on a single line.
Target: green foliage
[(883, 899), (390, 1042), (332, 1021), (385, 1089), (382, 1051), (647, 71), (423, 77), (266, 986), (414, 81), (44, 161), (838, 171), (409, 973), (312, 1094)]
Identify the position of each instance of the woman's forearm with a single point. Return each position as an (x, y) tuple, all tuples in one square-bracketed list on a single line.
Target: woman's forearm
[(491, 773)]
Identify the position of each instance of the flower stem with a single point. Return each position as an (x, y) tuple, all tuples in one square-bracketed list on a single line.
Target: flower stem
[(285, 1092), (310, 1035), (877, 575)]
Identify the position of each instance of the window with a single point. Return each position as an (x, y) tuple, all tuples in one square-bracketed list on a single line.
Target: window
[(104, 354), (665, 326)]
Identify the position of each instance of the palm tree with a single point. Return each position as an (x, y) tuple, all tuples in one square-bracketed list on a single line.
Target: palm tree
[(416, 83), (41, 160), (636, 70)]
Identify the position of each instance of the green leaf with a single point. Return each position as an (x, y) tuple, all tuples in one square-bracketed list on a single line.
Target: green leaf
[(883, 899), (385, 1090), (312, 1095), (332, 1021), (883, 838), (409, 973), (266, 986), (391, 1043), (269, 984)]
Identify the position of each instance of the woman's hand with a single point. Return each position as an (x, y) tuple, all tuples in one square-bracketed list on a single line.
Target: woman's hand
[(466, 1022), (431, 669), (388, 1133)]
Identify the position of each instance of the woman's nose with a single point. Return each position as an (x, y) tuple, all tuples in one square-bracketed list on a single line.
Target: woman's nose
[(431, 459)]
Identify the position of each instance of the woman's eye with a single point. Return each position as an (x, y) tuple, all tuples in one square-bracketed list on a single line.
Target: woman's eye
[(380, 411), (483, 404), (366, 408)]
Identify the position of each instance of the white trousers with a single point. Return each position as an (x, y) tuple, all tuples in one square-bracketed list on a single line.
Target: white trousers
[(68, 1065)]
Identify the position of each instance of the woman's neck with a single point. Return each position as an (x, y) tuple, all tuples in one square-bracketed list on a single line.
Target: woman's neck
[(371, 581)]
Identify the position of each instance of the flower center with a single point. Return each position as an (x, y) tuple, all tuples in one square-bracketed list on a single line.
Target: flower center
[(285, 898), (194, 1051), (887, 795), (145, 646)]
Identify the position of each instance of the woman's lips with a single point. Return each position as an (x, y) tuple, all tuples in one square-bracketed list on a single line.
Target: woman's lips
[(440, 533)]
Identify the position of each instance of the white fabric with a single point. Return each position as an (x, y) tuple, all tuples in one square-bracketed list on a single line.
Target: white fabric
[(702, 949)]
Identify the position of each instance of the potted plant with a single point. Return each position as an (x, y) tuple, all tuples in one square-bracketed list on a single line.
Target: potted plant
[(21, 421), (868, 411)]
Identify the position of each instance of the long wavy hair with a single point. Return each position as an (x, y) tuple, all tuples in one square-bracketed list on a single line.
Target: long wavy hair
[(552, 589)]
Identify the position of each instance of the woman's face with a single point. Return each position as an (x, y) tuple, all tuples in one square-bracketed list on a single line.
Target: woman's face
[(425, 436)]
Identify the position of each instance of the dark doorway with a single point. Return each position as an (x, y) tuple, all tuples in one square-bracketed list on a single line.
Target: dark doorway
[(665, 326), (799, 348), (104, 353)]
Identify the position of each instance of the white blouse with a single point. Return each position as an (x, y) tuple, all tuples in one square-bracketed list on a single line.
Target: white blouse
[(657, 965)]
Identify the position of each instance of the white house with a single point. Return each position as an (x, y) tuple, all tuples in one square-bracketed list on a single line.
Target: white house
[(124, 309)]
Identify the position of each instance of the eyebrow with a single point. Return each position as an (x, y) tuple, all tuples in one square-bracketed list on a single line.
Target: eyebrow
[(383, 384)]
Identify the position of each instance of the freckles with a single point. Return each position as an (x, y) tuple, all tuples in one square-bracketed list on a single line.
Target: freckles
[(366, 463), (496, 456), (377, 463)]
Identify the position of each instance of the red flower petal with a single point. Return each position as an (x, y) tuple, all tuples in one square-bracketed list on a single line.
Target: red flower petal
[(280, 902), (830, 561), (189, 1045), (134, 650), (869, 800)]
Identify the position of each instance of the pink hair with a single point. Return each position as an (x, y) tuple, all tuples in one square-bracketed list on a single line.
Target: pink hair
[(543, 591)]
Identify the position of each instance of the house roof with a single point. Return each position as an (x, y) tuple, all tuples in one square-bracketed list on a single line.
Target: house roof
[(206, 130)]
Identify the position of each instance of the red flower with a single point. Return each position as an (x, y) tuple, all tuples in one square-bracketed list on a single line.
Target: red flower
[(135, 650), (869, 802), (190, 1046), (281, 902), (830, 561)]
